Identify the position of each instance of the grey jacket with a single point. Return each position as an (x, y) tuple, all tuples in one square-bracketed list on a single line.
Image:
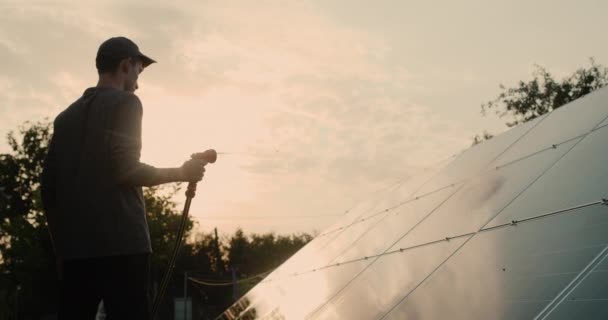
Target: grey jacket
[(92, 177)]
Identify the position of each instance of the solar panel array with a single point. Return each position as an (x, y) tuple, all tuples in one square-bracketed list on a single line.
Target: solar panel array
[(513, 228)]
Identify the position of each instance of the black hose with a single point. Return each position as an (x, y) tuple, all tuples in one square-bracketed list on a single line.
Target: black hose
[(178, 244)]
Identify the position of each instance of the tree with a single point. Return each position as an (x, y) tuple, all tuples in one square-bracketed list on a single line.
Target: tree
[(27, 262), (163, 222), (542, 94), (479, 138)]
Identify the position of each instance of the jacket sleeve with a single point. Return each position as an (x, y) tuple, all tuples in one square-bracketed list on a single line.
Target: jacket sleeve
[(125, 148)]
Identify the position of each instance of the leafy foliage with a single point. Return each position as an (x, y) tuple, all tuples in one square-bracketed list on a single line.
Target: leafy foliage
[(543, 93), (479, 138), (163, 222), (28, 264)]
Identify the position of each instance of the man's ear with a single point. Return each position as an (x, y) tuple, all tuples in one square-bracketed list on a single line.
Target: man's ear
[(124, 65)]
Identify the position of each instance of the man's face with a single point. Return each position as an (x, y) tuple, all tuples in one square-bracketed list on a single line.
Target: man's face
[(135, 67)]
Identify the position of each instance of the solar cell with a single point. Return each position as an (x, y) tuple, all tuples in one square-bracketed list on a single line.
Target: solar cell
[(579, 177), (482, 198), (476, 159)]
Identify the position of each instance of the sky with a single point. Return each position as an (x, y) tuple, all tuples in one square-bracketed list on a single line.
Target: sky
[(318, 104)]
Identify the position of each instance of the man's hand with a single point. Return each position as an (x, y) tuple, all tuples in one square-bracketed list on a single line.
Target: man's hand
[(192, 170)]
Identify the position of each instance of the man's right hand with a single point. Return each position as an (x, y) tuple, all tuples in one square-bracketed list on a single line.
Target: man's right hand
[(193, 170)]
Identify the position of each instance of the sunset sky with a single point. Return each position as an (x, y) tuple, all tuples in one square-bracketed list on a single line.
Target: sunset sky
[(320, 102)]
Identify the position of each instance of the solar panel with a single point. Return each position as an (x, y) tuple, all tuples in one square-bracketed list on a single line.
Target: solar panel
[(483, 197), (383, 284), (477, 158), (568, 122), (396, 224), (580, 177), (512, 228), (510, 272), (589, 300), (308, 256)]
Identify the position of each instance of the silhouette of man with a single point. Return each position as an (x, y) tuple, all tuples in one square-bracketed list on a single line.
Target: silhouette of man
[(92, 192)]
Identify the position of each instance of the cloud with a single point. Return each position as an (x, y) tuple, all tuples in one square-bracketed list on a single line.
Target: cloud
[(333, 105), (47, 53), (321, 110)]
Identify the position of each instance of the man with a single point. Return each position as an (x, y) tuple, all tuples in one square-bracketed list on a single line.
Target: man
[(92, 195)]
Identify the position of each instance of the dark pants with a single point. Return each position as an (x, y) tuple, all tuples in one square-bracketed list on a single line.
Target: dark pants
[(122, 282)]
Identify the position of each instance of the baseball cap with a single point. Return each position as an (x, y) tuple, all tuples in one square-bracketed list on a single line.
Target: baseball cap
[(120, 48)]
